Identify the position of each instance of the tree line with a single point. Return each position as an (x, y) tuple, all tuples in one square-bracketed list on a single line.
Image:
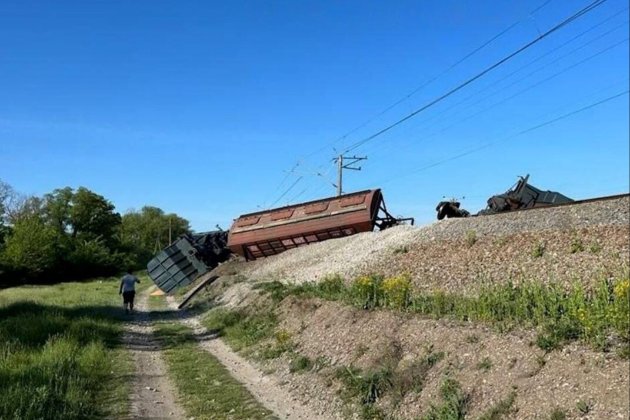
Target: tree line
[(71, 234)]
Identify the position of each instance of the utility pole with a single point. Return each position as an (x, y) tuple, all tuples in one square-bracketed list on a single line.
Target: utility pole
[(170, 229), (341, 166)]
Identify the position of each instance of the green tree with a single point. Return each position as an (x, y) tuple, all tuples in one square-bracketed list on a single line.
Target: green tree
[(31, 247), (6, 191), (57, 206), (148, 229), (92, 216)]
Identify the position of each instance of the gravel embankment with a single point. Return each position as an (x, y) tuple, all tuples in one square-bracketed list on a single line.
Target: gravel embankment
[(583, 243)]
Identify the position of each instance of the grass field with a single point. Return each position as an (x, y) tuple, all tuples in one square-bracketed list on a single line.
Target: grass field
[(206, 388), (59, 351)]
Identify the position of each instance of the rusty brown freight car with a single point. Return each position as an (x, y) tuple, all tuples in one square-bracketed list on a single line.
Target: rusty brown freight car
[(270, 232)]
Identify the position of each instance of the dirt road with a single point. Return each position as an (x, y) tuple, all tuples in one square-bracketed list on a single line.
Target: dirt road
[(152, 394), (264, 388)]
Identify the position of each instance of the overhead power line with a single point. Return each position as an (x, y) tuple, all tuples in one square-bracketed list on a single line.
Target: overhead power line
[(440, 98), (286, 191), (525, 89), (432, 79), (416, 90), (520, 133), (499, 89)]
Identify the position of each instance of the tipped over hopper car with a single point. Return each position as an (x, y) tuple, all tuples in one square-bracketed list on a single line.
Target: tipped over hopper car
[(270, 232)]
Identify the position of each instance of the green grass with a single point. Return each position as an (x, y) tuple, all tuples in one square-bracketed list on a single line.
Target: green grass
[(538, 250), (471, 238), (485, 364), (241, 329), (300, 363), (366, 387), (500, 410), (557, 414), (59, 352), (583, 407), (206, 388), (598, 317), (453, 405)]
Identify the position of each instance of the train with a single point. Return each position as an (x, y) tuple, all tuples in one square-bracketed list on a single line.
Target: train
[(269, 232)]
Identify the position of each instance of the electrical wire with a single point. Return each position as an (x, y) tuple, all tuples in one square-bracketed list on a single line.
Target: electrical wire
[(502, 89), (286, 191), (530, 87), (419, 88), (524, 90), (592, 6), (520, 133), (432, 79)]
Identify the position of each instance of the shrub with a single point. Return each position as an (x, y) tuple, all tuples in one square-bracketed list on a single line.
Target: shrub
[(471, 238), (369, 385), (396, 291), (538, 250), (577, 245), (401, 249), (332, 285), (300, 363), (620, 314), (454, 402), (485, 364), (367, 291)]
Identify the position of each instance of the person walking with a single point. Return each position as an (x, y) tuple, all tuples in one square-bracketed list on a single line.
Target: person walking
[(128, 290)]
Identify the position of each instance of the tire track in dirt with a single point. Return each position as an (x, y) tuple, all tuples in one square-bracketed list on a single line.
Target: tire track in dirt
[(152, 394), (264, 388)]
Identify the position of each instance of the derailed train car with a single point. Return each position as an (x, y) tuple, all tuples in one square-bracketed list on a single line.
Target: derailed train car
[(522, 196), (269, 232)]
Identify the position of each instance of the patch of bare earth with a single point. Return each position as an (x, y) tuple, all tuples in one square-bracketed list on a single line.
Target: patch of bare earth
[(489, 365), (275, 395), (152, 394)]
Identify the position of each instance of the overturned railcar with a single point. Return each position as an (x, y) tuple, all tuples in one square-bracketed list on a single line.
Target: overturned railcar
[(270, 232), (190, 256)]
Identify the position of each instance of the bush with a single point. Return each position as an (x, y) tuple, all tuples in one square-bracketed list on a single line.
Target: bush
[(300, 363), (471, 238), (396, 291), (576, 245), (332, 285), (31, 248), (367, 291), (454, 402), (538, 250)]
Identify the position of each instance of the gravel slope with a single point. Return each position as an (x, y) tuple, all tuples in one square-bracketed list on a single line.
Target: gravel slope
[(442, 255)]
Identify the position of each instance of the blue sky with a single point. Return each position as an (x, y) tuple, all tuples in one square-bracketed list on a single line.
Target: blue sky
[(205, 108)]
